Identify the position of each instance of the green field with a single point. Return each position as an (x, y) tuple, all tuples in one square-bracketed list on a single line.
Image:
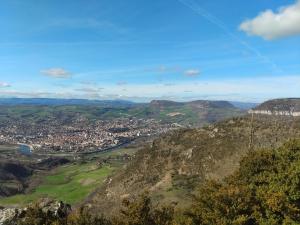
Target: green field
[(70, 183), (114, 153), (8, 149)]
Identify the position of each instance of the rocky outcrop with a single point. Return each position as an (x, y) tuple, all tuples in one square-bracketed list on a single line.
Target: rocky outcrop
[(274, 113), (7, 215), (164, 103), (279, 107), (48, 206)]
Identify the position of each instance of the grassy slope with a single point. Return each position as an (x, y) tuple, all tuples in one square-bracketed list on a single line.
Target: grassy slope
[(71, 183), (115, 153), (8, 149)]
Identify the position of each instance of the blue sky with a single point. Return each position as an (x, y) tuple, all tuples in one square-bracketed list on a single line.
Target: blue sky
[(142, 50)]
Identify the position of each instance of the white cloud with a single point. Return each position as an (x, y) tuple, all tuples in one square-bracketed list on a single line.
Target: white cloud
[(121, 83), (89, 89), (4, 84), (272, 25), (169, 84), (239, 89), (56, 73), (192, 72)]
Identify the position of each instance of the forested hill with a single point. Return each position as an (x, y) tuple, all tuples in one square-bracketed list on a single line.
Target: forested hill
[(196, 113)]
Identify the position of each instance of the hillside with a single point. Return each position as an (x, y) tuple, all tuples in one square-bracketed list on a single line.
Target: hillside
[(264, 190), (15, 174), (196, 113), (288, 106), (177, 162)]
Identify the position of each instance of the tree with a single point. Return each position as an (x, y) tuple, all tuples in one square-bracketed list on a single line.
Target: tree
[(265, 190), (141, 211)]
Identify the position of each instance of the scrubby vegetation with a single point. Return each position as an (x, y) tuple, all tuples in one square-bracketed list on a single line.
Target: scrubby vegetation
[(265, 190), (177, 162)]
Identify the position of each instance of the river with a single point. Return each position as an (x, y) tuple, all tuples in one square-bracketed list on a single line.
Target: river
[(25, 149)]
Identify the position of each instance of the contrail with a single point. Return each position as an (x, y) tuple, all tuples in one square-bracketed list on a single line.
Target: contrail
[(214, 20)]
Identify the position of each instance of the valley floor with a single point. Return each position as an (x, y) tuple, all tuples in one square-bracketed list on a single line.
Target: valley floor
[(74, 182)]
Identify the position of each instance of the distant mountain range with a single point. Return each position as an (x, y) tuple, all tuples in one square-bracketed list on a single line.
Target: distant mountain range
[(195, 113), (57, 102), (244, 105), (109, 103), (197, 104)]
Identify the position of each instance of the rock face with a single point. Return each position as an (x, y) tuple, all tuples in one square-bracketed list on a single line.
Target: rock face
[(275, 113), (48, 206), (57, 208), (7, 215), (279, 107)]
